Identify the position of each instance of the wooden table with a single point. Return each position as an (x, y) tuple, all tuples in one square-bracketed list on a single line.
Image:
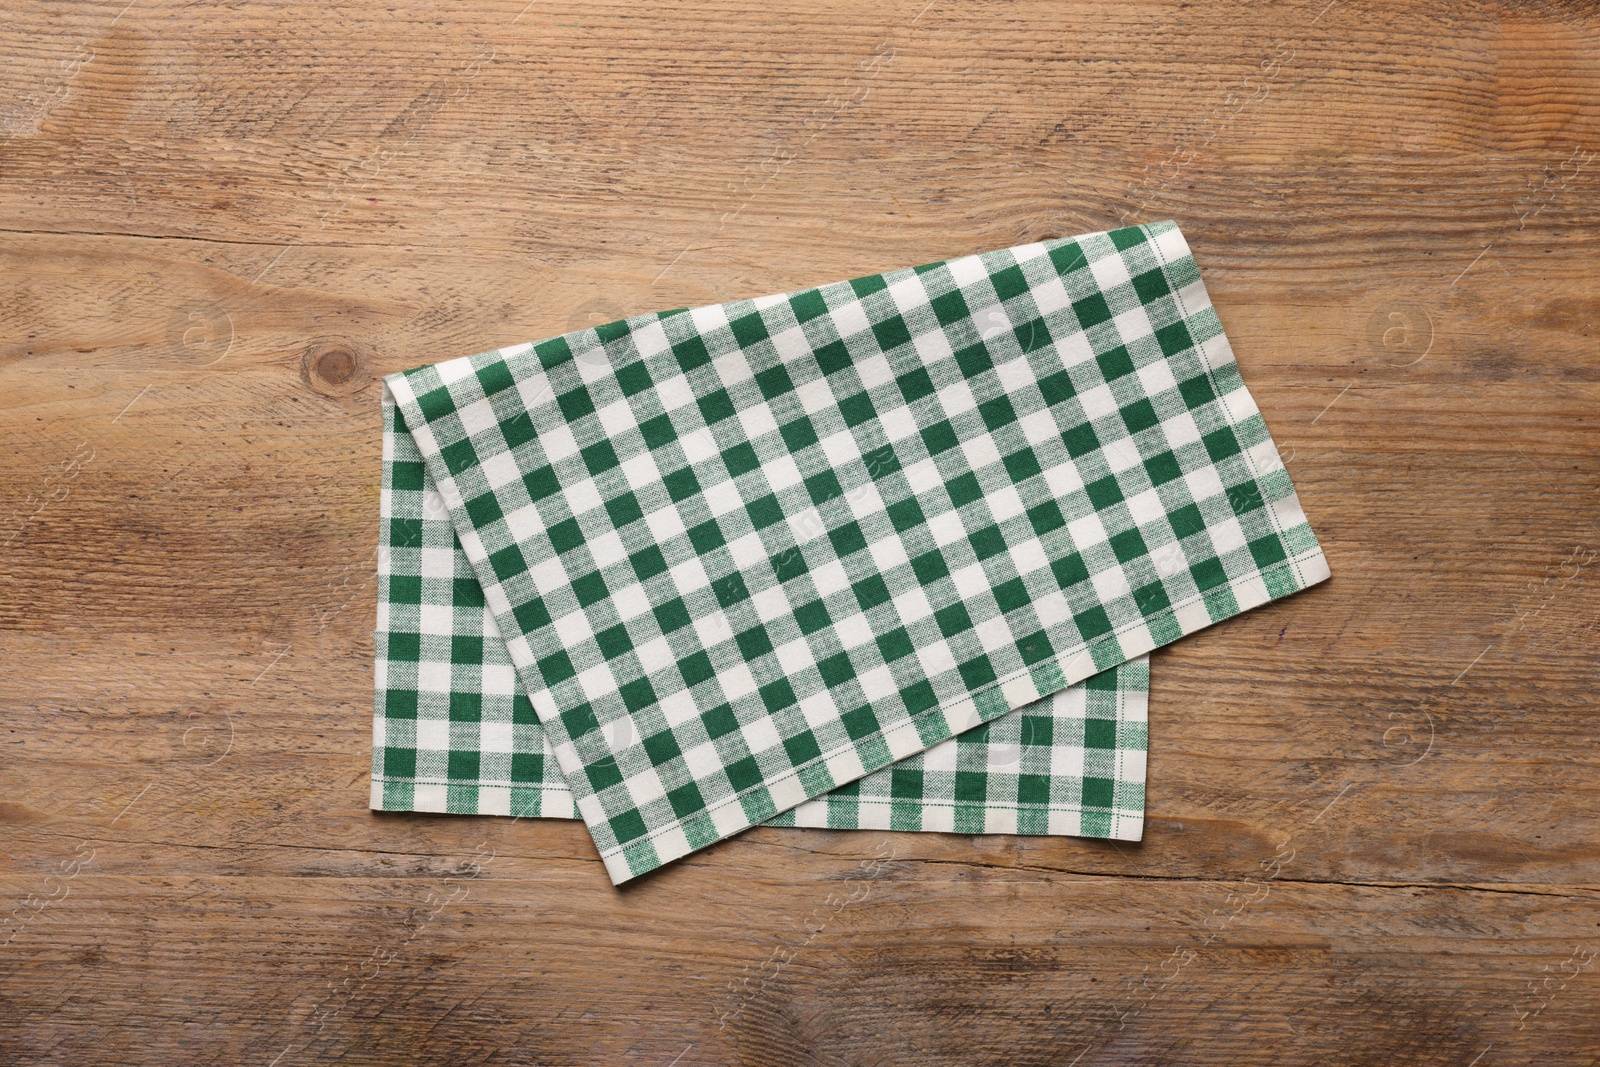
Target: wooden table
[(1374, 807)]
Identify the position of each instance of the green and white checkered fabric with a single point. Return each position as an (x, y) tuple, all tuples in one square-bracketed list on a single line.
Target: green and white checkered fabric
[(748, 553), (452, 733)]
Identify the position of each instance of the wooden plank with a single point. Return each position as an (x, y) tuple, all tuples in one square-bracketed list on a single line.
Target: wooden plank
[(1372, 807)]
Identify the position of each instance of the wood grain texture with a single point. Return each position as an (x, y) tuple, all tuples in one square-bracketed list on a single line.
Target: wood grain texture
[(1373, 813)]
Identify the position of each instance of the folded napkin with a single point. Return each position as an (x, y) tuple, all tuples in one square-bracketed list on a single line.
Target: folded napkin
[(735, 558)]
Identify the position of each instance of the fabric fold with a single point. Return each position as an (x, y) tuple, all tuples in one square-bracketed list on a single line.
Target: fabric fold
[(742, 555)]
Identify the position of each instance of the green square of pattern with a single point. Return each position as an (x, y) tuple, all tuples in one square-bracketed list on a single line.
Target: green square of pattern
[(673, 615), (1008, 282), (1093, 623), (627, 827), (823, 487), (1081, 440), (774, 381), (507, 563), (1104, 492), (905, 514), (1220, 444), (812, 617), (400, 762), (658, 431), (466, 648), (1099, 792), (997, 412), (765, 511), (753, 642), (988, 542), (891, 332), (1139, 415), (466, 707), (719, 721), (953, 620), (859, 723), (847, 539), (905, 783), (590, 589), (691, 353), (1115, 363), (1091, 310), (1070, 570), (696, 668), (661, 748), (741, 459), (798, 434), (1186, 521), (743, 774), (634, 378), (714, 407), (575, 404), (1197, 391), (1046, 517), (518, 429), (1011, 595), (836, 669), (637, 694), (1033, 788), (971, 787), (603, 773), (929, 567), (857, 409), (915, 385), (466, 592), (407, 476), (405, 648), (748, 329), (808, 305), (565, 535), (400, 703), (1035, 648), (405, 533), (459, 456), (1163, 468), (614, 641), (706, 537), (1174, 338), (940, 437), (777, 695), (406, 589), (686, 800), (964, 489), (832, 357), (1151, 285), (977, 672), (949, 307), (870, 592), (600, 457), (1128, 545), (1100, 733), (802, 748), (624, 509), (681, 484)]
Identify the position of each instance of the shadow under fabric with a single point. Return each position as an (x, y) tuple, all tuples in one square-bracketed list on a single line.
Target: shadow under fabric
[(888, 553)]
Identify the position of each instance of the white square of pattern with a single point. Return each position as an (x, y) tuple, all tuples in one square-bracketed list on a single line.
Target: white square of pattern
[(932, 346), (877, 683), (850, 319), (830, 578), (1156, 378), (708, 318), (698, 445), (650, 339), (535, 392), (435, 619), (1039, 427), (630, 601), (1005, 503), (454, 370), (782, 473), (1098, 402), (501, 469), (793, 656), (747, 551), (971, 581), (494, 737), (433, 677), (889, 552), (1087, 531), (757, 420), (815, 396), (1110, 584), (1146, 507), (760, 736), (771, 604), (956, 399), (980, 451), (1133, 325), (1063, 478), (840, 448), (736, 681), (966, 270), (712, 630), (433, 735), (1109, 271), (912, 605), (908, 293), (1226, 536), (655, 655), (1122, 454), (607, 548), (583, 496), (438, 562), (557, 441), (596, 682), (1203, 484), (874, 371), (790, 343), (853, 630), (734, 367), (898, 423), (644, 469), (1051, 296), (664, 523), (1029, 556), (477, 417), (1180, 430), (617, 417), (499, 678)]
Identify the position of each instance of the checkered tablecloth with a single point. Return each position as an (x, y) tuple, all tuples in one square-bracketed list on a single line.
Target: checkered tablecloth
[(764, 560)]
